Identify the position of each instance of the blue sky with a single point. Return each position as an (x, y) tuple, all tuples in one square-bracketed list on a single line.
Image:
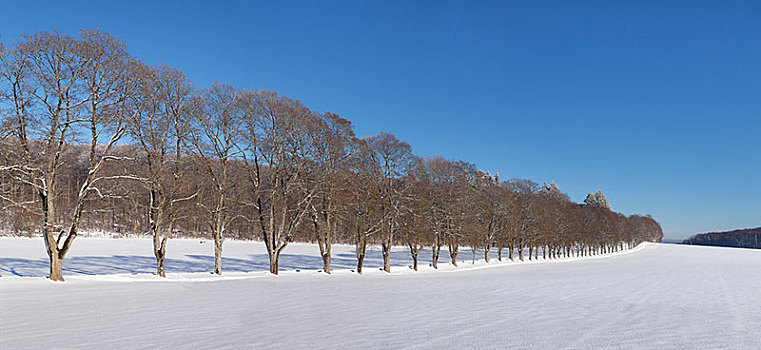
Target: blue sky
[(658, 105)]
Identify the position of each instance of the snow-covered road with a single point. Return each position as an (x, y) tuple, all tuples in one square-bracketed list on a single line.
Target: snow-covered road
[(657, 297)]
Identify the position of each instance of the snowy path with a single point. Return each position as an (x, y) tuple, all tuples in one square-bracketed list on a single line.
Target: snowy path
[(659, 296)]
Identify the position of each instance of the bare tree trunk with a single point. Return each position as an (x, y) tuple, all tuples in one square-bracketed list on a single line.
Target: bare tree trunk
[(218, 255), (360, 260), (57, 254), (56, 267), (414, 251), (453, 250), (386, 246), (360, 245), (326, 261), (435, 250), (530, 252), (51, 245), (160, 253), (160, 265), (274, 261), (323, 238), (520, 252), (55, 251), (329, 227)]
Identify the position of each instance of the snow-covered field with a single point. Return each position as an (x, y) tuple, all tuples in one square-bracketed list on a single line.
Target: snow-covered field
[(656, 296)]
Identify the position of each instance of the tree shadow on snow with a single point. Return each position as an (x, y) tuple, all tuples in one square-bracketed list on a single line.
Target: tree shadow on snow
[(139, 264)]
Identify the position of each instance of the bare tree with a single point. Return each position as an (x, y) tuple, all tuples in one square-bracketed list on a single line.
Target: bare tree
[(334, 143), (363, 211), (65, 88), (280, 154), (215, 140), (416, 224), (527, 219), (460, 183), (45, 67), (394, 159), (159, 127), (489, 204), (431, 177)]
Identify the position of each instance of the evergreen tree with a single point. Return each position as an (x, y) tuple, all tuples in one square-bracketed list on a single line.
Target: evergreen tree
[(597, 199), (552, 190)]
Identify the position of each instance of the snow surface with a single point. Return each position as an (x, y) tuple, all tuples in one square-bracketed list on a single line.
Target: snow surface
[(656, 296)]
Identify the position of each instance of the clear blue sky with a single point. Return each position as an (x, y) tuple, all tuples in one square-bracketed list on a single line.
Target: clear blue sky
[(658, 104)]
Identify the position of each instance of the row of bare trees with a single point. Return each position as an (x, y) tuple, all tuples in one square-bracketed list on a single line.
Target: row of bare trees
[(94, 139)]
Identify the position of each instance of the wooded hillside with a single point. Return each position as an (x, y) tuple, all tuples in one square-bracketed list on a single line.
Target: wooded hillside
[(742, 238)]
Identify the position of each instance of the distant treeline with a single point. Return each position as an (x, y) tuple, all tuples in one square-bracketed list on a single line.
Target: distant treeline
[(93, 139), (743, 238)]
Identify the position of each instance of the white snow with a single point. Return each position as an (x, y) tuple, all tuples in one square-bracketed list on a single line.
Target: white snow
[(654, 296)]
